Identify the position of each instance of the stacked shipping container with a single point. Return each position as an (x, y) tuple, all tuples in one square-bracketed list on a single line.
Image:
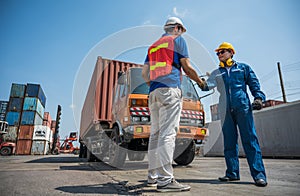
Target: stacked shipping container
[(3, 110), (15, 104), (14, 111), (25, 117), (42, 136)]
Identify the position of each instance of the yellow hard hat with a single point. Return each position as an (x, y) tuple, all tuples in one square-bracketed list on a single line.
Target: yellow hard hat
[(225, 45)]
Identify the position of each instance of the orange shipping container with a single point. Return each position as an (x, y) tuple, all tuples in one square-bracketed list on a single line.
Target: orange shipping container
[(23, 147), (98, 102), (53, 124), (47, 120), (25, 132)]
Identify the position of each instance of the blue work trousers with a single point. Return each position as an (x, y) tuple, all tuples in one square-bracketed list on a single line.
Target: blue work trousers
[(244, 121)]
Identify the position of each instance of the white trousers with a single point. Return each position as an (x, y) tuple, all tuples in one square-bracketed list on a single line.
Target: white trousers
[(165, 107)]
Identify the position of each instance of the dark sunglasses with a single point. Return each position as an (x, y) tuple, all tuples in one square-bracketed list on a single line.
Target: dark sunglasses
[(221, 52)]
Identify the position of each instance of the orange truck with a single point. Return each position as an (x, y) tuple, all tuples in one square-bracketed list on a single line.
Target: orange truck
[(115, 118)]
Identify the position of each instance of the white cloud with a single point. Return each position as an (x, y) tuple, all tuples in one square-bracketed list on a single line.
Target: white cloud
[(147, 22), (179, 13)]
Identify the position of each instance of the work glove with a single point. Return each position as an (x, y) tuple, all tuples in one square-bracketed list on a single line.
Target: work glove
[(257, 104)]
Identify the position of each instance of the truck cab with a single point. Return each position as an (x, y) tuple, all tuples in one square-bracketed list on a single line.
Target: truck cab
[(115, 117), (131, 118)]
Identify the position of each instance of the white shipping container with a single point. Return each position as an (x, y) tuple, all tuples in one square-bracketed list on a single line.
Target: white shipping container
[(39, 147), (41, 132)]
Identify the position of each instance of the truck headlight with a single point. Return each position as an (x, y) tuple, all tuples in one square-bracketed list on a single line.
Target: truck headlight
[(136, 119), (145, 119)]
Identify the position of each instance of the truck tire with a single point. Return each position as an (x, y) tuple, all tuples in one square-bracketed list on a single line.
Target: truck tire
[(117, 151), (90, 156), (187, 156), (136, 155), (5, 151)]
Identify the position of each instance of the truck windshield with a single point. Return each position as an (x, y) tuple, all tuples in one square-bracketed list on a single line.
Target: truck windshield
[(137, 83), (188, 89)]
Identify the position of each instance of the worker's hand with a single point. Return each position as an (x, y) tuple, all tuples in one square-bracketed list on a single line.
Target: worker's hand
[(257, 104), (203, 84)]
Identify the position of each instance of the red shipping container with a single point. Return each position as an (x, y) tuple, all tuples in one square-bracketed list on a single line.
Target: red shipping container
[(26, 132), (23, 147), (47, 120), (98, 102), (53, 124)]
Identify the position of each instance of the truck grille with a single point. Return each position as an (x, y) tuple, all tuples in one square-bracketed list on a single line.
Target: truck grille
[(188, 118)]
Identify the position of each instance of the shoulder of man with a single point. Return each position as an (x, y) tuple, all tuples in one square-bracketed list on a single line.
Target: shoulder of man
[(241, 64)]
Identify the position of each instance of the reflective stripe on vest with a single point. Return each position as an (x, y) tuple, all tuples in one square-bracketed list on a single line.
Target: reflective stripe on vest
[(161, 57)]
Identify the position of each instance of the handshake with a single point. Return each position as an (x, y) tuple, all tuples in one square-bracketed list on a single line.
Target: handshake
[(203, 84)]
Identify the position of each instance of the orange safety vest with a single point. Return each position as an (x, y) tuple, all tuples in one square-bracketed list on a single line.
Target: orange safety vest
[(161, 57)]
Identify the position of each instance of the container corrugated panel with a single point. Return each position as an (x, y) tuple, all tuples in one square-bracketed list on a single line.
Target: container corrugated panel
[(31, 118), (47, 116), (23, 147), (47, 119), (39, 147), (33, 104), (15, 104), (17, 90), (3, 107), (25, 132), (46, 123), (41, 133), (98, 102), (13, 118), (35, 90), (11, 135), (53, 124)]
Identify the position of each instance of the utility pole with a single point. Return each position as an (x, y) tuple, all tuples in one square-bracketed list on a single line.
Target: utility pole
[(281, 83)]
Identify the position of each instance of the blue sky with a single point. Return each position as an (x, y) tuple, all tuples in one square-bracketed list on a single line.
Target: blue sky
[(45, 41)]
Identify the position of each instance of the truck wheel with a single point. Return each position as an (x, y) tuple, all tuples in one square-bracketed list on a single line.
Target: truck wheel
[(90, 156), (5, 151), (136, 155), (187, 156), (117, 152)]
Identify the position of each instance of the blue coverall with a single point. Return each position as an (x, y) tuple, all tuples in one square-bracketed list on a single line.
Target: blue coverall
[(235, 110)]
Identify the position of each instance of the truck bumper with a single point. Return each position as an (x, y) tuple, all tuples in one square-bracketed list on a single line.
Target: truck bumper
[(196, 133), (143, 131)]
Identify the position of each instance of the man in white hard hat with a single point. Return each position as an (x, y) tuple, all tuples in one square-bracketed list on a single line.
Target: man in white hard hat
[(162, 71)]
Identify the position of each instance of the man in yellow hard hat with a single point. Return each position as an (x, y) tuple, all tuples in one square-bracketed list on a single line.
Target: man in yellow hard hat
[(231, 79)]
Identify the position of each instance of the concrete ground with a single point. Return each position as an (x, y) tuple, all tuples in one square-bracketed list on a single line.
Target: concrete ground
[(202, 175), (69, 175)]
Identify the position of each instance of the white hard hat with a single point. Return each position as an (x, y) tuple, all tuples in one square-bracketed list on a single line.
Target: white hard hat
[(172, 21)]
